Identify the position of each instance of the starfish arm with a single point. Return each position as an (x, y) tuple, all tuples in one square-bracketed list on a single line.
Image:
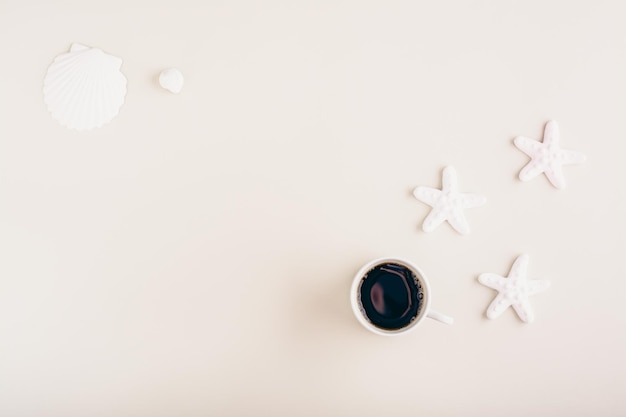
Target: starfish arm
[(458, 222), (520, 267), (551, 134), (531, 170), (449, 180), (491, 280), (529, 146), (537, 285), (524, 310), (471, 200), (572, 157), (554, 173), (427, 195), (434, 219), (497, 306)]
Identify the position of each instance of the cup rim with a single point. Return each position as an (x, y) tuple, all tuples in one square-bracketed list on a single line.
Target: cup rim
[(356, 308)]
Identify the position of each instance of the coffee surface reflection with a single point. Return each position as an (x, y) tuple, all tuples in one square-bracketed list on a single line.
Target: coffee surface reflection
[(390, 296)]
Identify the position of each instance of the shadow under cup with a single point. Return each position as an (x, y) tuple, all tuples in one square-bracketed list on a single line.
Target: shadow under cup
[(390, 295)]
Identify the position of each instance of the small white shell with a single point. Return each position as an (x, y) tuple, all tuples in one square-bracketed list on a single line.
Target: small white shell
[(172, 80), (84, 88)]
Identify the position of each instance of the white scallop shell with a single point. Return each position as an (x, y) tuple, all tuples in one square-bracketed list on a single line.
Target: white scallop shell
[(84, 88), (172, 80)]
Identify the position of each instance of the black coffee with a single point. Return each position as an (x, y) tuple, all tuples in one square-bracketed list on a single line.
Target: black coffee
[(391, 296)]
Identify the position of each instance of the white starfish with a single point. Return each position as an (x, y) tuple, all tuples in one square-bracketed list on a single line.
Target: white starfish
[(447, 203), (513, 290), (547, 156)]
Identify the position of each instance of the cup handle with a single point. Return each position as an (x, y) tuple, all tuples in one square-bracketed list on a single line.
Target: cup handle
[(440, 317)]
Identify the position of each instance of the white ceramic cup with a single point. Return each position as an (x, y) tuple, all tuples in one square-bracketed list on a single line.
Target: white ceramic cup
[(424, 310)]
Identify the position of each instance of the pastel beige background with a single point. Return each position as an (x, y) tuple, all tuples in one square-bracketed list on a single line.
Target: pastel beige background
[(194, 256)]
